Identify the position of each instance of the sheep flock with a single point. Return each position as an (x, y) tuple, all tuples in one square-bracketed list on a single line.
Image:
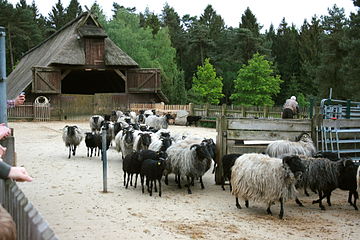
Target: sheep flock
[(149, 150)]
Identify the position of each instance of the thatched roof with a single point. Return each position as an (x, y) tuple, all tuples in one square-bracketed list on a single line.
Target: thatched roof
[(65, 47)]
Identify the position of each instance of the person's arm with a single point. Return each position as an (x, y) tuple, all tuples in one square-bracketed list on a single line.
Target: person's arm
[(4, 170)]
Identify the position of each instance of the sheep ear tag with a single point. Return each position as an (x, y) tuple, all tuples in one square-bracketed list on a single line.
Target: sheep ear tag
[(159, 163)]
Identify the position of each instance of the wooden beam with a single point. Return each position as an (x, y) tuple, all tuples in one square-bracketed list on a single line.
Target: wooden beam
[(64, 74), (118, 72)]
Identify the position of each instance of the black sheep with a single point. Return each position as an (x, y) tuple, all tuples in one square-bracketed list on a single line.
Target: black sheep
[(227, 163), (131, 165), (192, 120), (91, 141), (153, 170)]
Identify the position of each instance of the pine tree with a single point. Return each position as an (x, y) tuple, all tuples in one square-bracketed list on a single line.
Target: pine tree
[(57, 16)]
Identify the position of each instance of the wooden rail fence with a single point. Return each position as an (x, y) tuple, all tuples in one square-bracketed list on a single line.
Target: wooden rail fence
[(30, 225)]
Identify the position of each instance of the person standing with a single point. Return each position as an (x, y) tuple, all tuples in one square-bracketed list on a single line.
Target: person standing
[(290, 108)]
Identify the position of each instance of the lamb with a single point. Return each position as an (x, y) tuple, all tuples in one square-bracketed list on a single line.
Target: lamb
[(259, 177), (303, 146), (192, 162), (91, 141), (153, 170), (72, 137), (95, 123), (227, 163), (192, 120), (158, 122)]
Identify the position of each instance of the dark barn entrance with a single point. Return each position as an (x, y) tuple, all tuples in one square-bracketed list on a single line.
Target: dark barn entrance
[(91, 82)]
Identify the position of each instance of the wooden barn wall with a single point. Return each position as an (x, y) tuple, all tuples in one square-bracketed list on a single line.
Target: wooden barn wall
[(144, 98)]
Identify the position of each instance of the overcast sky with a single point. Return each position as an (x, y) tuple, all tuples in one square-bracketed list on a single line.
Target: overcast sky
[(266, 11)]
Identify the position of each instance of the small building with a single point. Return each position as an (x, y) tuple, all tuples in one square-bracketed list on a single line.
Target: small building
[(82, 71)]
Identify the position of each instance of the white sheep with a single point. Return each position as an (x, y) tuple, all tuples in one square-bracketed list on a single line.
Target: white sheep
[(260, 178), (96, 123), (303, 146)]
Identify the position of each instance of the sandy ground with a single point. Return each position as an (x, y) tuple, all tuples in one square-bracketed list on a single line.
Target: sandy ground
[(68, 193)]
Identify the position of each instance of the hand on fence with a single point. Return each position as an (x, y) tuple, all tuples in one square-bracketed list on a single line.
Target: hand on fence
[(4, 131), (2, 151), (19, 174)]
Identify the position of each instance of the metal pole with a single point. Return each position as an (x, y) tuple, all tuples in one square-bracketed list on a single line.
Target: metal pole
[(104, 158), (3, 106)]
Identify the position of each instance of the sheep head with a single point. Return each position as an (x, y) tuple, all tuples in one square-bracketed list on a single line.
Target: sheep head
[(295, 164)]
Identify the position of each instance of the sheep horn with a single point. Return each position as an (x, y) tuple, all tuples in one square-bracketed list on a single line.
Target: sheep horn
[(195, 145)]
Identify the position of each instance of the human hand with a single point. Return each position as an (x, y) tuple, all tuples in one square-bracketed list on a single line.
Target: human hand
[(2, 151), (19, 174), (19, 100), (4, 131)]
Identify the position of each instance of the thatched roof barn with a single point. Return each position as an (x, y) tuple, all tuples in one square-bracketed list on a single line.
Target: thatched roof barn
[(80, 59)]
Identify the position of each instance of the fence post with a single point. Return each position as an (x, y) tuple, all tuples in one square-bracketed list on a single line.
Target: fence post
[(223, 110), (3, 108), (191, 109), (311, 108), (206, 110), (348, 109), (221, 127)]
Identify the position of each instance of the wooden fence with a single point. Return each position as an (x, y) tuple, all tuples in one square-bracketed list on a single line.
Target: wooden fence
[(246, 135), (80, 107), (30, 225)]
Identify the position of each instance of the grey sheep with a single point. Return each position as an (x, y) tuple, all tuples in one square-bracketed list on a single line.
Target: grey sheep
[(72, 137), (188, 161)]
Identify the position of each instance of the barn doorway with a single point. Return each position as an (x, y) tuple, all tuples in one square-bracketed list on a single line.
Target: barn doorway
[(91, 82)]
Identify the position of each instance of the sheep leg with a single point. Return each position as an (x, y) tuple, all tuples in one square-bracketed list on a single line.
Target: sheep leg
[(213, 171), (69, 151), (192, 181), (320, 200), (142, 183), (298, 202), (281, 215), (223, 183), (201, 183), (247, 203), (127, 181), (237, 203), (178, 180), (159, 187), (124, 178), (268, 210), (136, 177), (155, 188), (166, 179), (306, 192), (74, 150), (328, 199), (87, 152), (188, 184), (151, 186), (131, 175), (356, 196)]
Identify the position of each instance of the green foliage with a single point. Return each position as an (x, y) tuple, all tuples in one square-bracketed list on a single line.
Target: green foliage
[(301, 99), (148, 50), (255, 83), (207, 87)]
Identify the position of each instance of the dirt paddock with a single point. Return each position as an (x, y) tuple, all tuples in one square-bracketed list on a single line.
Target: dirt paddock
[(68, 193)]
